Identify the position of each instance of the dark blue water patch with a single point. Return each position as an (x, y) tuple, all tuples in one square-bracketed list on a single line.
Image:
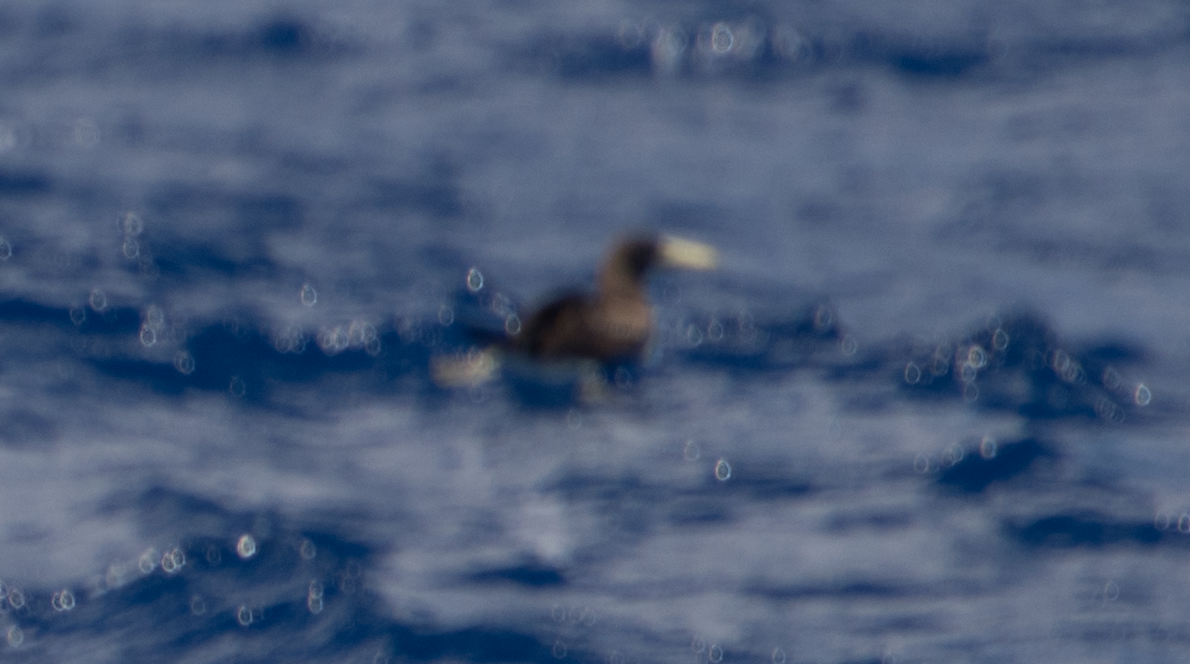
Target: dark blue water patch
[(536, 390), (755, 481), (23, 183), (698, 511), (532, 574), (842, 589), (921, 57), (238, 357), (253, 212), (869, 521), (107, 321), (281, 37), (1019, 363), (24, 311), (23, 429), (432, 194), (193, 260), (298, 590), (944, 61), (811, 336), (983, 466), (1090, 530), (590, 57)]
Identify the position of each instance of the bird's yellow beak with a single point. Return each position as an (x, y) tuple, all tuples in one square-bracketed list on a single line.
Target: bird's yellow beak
[(679, 252)]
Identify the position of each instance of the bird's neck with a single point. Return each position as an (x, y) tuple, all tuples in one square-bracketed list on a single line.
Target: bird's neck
[(616, 285)]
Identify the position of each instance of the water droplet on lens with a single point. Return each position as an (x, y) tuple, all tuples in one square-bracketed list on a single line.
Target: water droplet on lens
[(98, 300), (147, 562), (722, 470), (446, 315), (184, 363), (15, 636), (1162, 521), (714, 654), (715, 330), (512, 325), (693, 336), (5, 249), (848, 345), (697, 644), (987, 447), (574, 419), (977, 357), (558, 613), (333, 340), (690, 451), (246, 547), (78, 315), (629, 35), (778, 656), (1142, 395), (788, 43), (198, 606), (823, 317), (307, 550), (967, 373), (721, 38), (86, 133), (147, 336), (474, 280), (309, 295), (999, 339), (1183, 527), (154, 316), (1111, 591), (172, 561), (912, 373), (16, 598), (954, 454), (133, 224), (63, 600), (1111, 378), (559, 649), (314, 604), (970, 392), (372, 346), (1060, 362), (244, 616), (501, 305), (131, 248), (237, 387), (923, 463)]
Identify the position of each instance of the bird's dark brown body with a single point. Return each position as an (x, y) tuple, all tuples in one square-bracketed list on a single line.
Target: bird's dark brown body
[(615, 322)]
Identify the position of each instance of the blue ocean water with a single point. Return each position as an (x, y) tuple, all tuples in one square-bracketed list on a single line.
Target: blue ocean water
[(931, 407)]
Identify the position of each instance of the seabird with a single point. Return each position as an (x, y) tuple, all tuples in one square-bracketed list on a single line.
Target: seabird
[(612, 324), (615, 322)]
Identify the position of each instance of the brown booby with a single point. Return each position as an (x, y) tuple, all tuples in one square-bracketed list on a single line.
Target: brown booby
[(613, 323), (616, 321)]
